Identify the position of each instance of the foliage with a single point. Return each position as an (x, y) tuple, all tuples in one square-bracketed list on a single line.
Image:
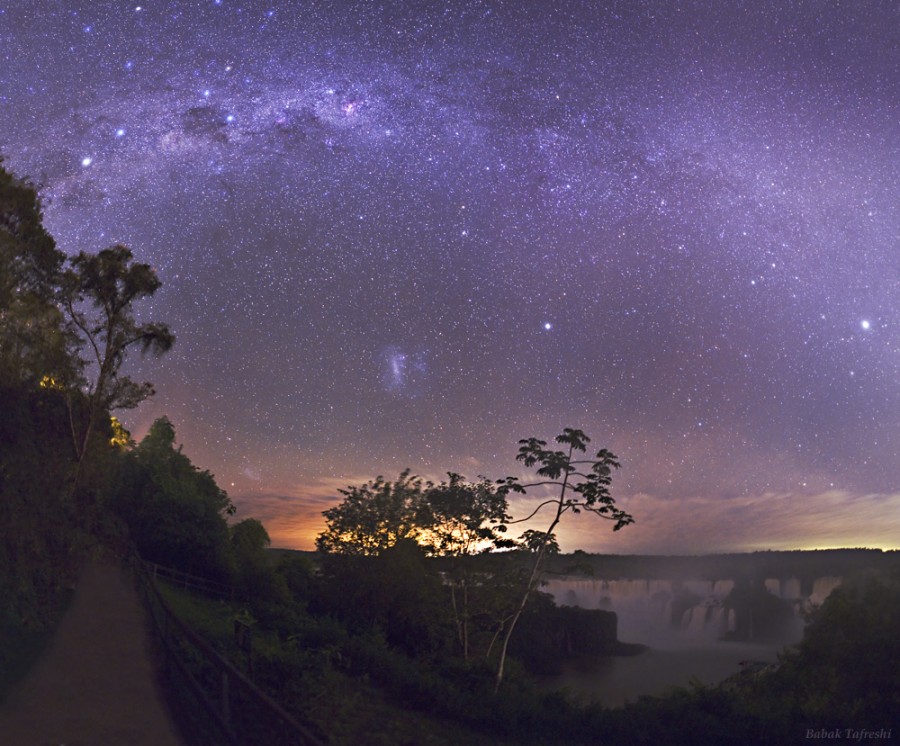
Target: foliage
[(99, 293), (454, 518), (297, 575), (392, 592), (466, 518), (38, 533), (459, 518), (846, 671), (34, 342), (249, 540), (176, 513), (537, 541), (375, 516)]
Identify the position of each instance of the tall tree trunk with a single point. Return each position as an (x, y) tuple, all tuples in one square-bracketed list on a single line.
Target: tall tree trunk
[(532, 582)]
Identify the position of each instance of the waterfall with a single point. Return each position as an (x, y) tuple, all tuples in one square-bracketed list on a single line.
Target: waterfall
[(645, 606), (822, 588)]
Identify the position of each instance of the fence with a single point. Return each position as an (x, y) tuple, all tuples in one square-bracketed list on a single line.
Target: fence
[(189, 582), (217, 702)]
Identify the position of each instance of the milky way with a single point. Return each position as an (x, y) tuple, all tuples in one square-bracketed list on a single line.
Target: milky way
[(410, 234)]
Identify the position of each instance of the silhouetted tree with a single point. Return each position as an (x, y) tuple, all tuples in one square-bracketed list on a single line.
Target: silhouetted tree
[(590, 494), (175, 512), (99, 293), (467, 519), (34, 343), (376, 515), (394, 592), (535, 541)]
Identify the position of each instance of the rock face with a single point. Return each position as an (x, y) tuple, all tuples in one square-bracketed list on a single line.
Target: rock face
[(579, 632), (548, 635)]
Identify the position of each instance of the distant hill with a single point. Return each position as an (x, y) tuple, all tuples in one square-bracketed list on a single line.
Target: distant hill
[(803, 564)]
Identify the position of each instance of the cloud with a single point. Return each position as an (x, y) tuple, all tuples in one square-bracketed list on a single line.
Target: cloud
[(293, 517), (771, 520), (663, 525)]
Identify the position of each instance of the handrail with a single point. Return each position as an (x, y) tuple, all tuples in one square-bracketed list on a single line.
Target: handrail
[(188, 581), (236, 692)]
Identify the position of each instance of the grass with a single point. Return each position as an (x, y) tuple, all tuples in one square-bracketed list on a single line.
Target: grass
[(349, 709)]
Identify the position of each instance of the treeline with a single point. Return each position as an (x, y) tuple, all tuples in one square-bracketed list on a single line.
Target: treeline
[(53, 444), (806, 565)]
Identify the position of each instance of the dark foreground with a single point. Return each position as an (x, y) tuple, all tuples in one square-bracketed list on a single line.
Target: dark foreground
[(96, 682)]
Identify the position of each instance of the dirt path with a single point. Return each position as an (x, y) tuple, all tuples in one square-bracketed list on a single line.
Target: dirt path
[(95, 684)]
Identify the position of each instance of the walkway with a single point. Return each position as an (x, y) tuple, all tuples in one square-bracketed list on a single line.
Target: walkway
[(95, 684)]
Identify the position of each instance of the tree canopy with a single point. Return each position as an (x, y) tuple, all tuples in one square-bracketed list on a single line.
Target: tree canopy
[(34, 341), (99, 292), (175, 512), (55, 438), (460, 518), (376, 515)]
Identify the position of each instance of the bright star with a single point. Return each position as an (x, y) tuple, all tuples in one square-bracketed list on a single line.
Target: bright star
[(548, 326), (865, 324), (120, 133), (86, 162)]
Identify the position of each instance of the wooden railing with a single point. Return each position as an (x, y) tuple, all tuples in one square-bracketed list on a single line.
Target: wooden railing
[(225, 707), (189, 582)]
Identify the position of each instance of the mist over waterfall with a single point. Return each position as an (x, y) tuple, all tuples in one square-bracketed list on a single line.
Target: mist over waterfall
[(693, 629), (673, 613)]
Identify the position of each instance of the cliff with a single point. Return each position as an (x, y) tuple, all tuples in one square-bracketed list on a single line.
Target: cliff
[(548, 635)]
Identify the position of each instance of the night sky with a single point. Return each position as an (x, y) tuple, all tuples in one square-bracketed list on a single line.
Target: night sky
[(409, 234)]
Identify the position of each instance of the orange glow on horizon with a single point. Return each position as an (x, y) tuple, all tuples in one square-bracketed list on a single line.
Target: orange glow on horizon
[(686, 526)]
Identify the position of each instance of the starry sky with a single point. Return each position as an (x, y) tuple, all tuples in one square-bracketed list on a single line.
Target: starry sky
[(407, 234)]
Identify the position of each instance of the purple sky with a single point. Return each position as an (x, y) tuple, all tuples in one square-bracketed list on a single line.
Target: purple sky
[(409, 234)]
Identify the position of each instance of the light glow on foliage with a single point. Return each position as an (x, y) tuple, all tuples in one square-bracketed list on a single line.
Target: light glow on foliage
[(49, 382), (121, 438)]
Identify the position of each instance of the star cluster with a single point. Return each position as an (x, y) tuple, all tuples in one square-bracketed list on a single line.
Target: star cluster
[(401, 234)]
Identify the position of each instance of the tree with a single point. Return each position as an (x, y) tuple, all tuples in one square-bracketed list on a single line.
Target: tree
[(254, 577), (34, 343), (375, 516), (560, 471), (176, 513), (249, 540), (455, 518), (534, 541), (468, 518), (99, 292)]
